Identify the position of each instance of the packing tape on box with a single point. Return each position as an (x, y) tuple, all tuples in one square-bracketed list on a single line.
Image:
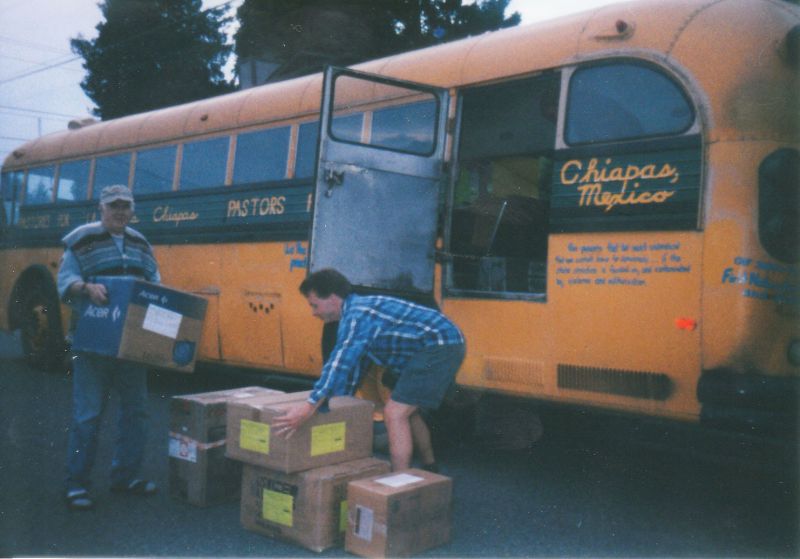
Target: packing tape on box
[(185, 448)]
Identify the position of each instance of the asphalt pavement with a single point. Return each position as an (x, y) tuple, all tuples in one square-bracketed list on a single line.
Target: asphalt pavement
[(566, 496)]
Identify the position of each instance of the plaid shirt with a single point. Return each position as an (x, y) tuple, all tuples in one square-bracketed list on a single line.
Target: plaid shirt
[(385, 330)]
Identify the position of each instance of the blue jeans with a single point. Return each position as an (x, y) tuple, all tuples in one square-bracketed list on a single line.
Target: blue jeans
[(93, 377)]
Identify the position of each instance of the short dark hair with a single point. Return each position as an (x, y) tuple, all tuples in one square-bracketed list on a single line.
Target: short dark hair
[(325, 283)]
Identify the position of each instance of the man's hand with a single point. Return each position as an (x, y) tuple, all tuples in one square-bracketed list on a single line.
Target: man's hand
[(97, 293), (286, 424)]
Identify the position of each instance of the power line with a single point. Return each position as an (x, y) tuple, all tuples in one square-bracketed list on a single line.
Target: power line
[(37, 63), (11, 115), (42, 69), (16, 139), (26, 60), (22, 109), (31, 44)]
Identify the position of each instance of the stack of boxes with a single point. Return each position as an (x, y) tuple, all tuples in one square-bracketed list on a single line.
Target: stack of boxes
[(295, 489), (199, 472), (319, 488)]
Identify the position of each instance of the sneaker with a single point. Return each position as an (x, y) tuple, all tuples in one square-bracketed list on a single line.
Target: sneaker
[(79, 499)]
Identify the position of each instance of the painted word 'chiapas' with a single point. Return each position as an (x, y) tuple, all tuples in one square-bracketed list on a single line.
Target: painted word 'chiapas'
[(593, 178)]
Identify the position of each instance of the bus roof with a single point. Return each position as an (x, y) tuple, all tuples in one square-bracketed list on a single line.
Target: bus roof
[(738, 50)]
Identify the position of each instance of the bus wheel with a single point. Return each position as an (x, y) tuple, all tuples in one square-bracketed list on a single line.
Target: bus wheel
[(42, 338)]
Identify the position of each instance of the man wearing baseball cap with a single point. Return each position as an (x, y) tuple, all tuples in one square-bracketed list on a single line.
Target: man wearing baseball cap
[(108, 247)]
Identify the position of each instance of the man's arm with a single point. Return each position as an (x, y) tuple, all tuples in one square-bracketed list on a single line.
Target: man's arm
[(351, 343), (70, 283), (155, 277), (338, 371)]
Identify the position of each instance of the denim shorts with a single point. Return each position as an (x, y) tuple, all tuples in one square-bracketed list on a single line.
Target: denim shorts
[(424, 381)]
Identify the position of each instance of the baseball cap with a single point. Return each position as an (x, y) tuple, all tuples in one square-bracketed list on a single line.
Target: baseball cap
[(115, 192)]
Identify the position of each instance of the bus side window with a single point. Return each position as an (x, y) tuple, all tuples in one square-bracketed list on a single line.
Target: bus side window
[(203, 164), (12, 189), (348, 127), (261, 156), (73, 181), (6, 193), (111, 169), (623, 101), (307, 138), (155, 169), (410, 128), (40, 186), (499, 226)]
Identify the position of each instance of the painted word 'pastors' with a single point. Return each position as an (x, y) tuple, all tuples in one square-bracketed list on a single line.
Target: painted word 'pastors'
[(268, 205)]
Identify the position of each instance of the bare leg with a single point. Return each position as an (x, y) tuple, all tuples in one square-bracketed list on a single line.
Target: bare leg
[(422, 439), (398, 427)]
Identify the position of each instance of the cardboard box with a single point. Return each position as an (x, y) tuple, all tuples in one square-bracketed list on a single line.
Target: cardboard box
[(208, 478), (199, 471), (398, 514), (307, 508), (143, 322), (340, 434)]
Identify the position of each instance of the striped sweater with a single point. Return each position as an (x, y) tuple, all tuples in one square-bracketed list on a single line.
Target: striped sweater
[(97, 254)]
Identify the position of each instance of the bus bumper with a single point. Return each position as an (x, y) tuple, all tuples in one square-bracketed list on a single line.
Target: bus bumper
[(749, 401)]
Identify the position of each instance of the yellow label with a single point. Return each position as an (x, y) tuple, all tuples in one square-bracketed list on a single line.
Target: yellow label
[(277, 507), (343, 516), (327, 438), (254, 436)]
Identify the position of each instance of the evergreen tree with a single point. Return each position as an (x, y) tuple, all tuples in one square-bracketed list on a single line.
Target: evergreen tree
[(153, 53), (301, 36)]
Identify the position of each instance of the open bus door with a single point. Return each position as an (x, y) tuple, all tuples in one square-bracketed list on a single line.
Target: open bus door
[(379, 171)]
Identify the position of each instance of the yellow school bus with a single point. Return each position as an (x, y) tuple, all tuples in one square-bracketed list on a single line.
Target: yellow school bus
[(606, 204)]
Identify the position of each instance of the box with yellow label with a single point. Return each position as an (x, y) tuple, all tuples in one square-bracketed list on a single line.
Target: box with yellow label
[(339, 432), (307, 508)]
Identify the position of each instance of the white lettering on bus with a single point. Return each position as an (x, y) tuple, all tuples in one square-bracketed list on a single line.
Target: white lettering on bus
[(34, 222), (163, 213), (256, 206), (594, 194)]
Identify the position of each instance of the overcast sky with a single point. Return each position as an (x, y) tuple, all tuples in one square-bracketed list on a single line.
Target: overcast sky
[(40, 77)]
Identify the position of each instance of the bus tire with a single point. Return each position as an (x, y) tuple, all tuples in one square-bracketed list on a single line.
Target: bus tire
[(43, 341)]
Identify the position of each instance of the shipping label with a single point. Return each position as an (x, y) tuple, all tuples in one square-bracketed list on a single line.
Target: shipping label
[(343, 516), (399, 480), (162, 321), (328, 438), (254, 436), (183, 448), (277, 507), (364, 523)]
